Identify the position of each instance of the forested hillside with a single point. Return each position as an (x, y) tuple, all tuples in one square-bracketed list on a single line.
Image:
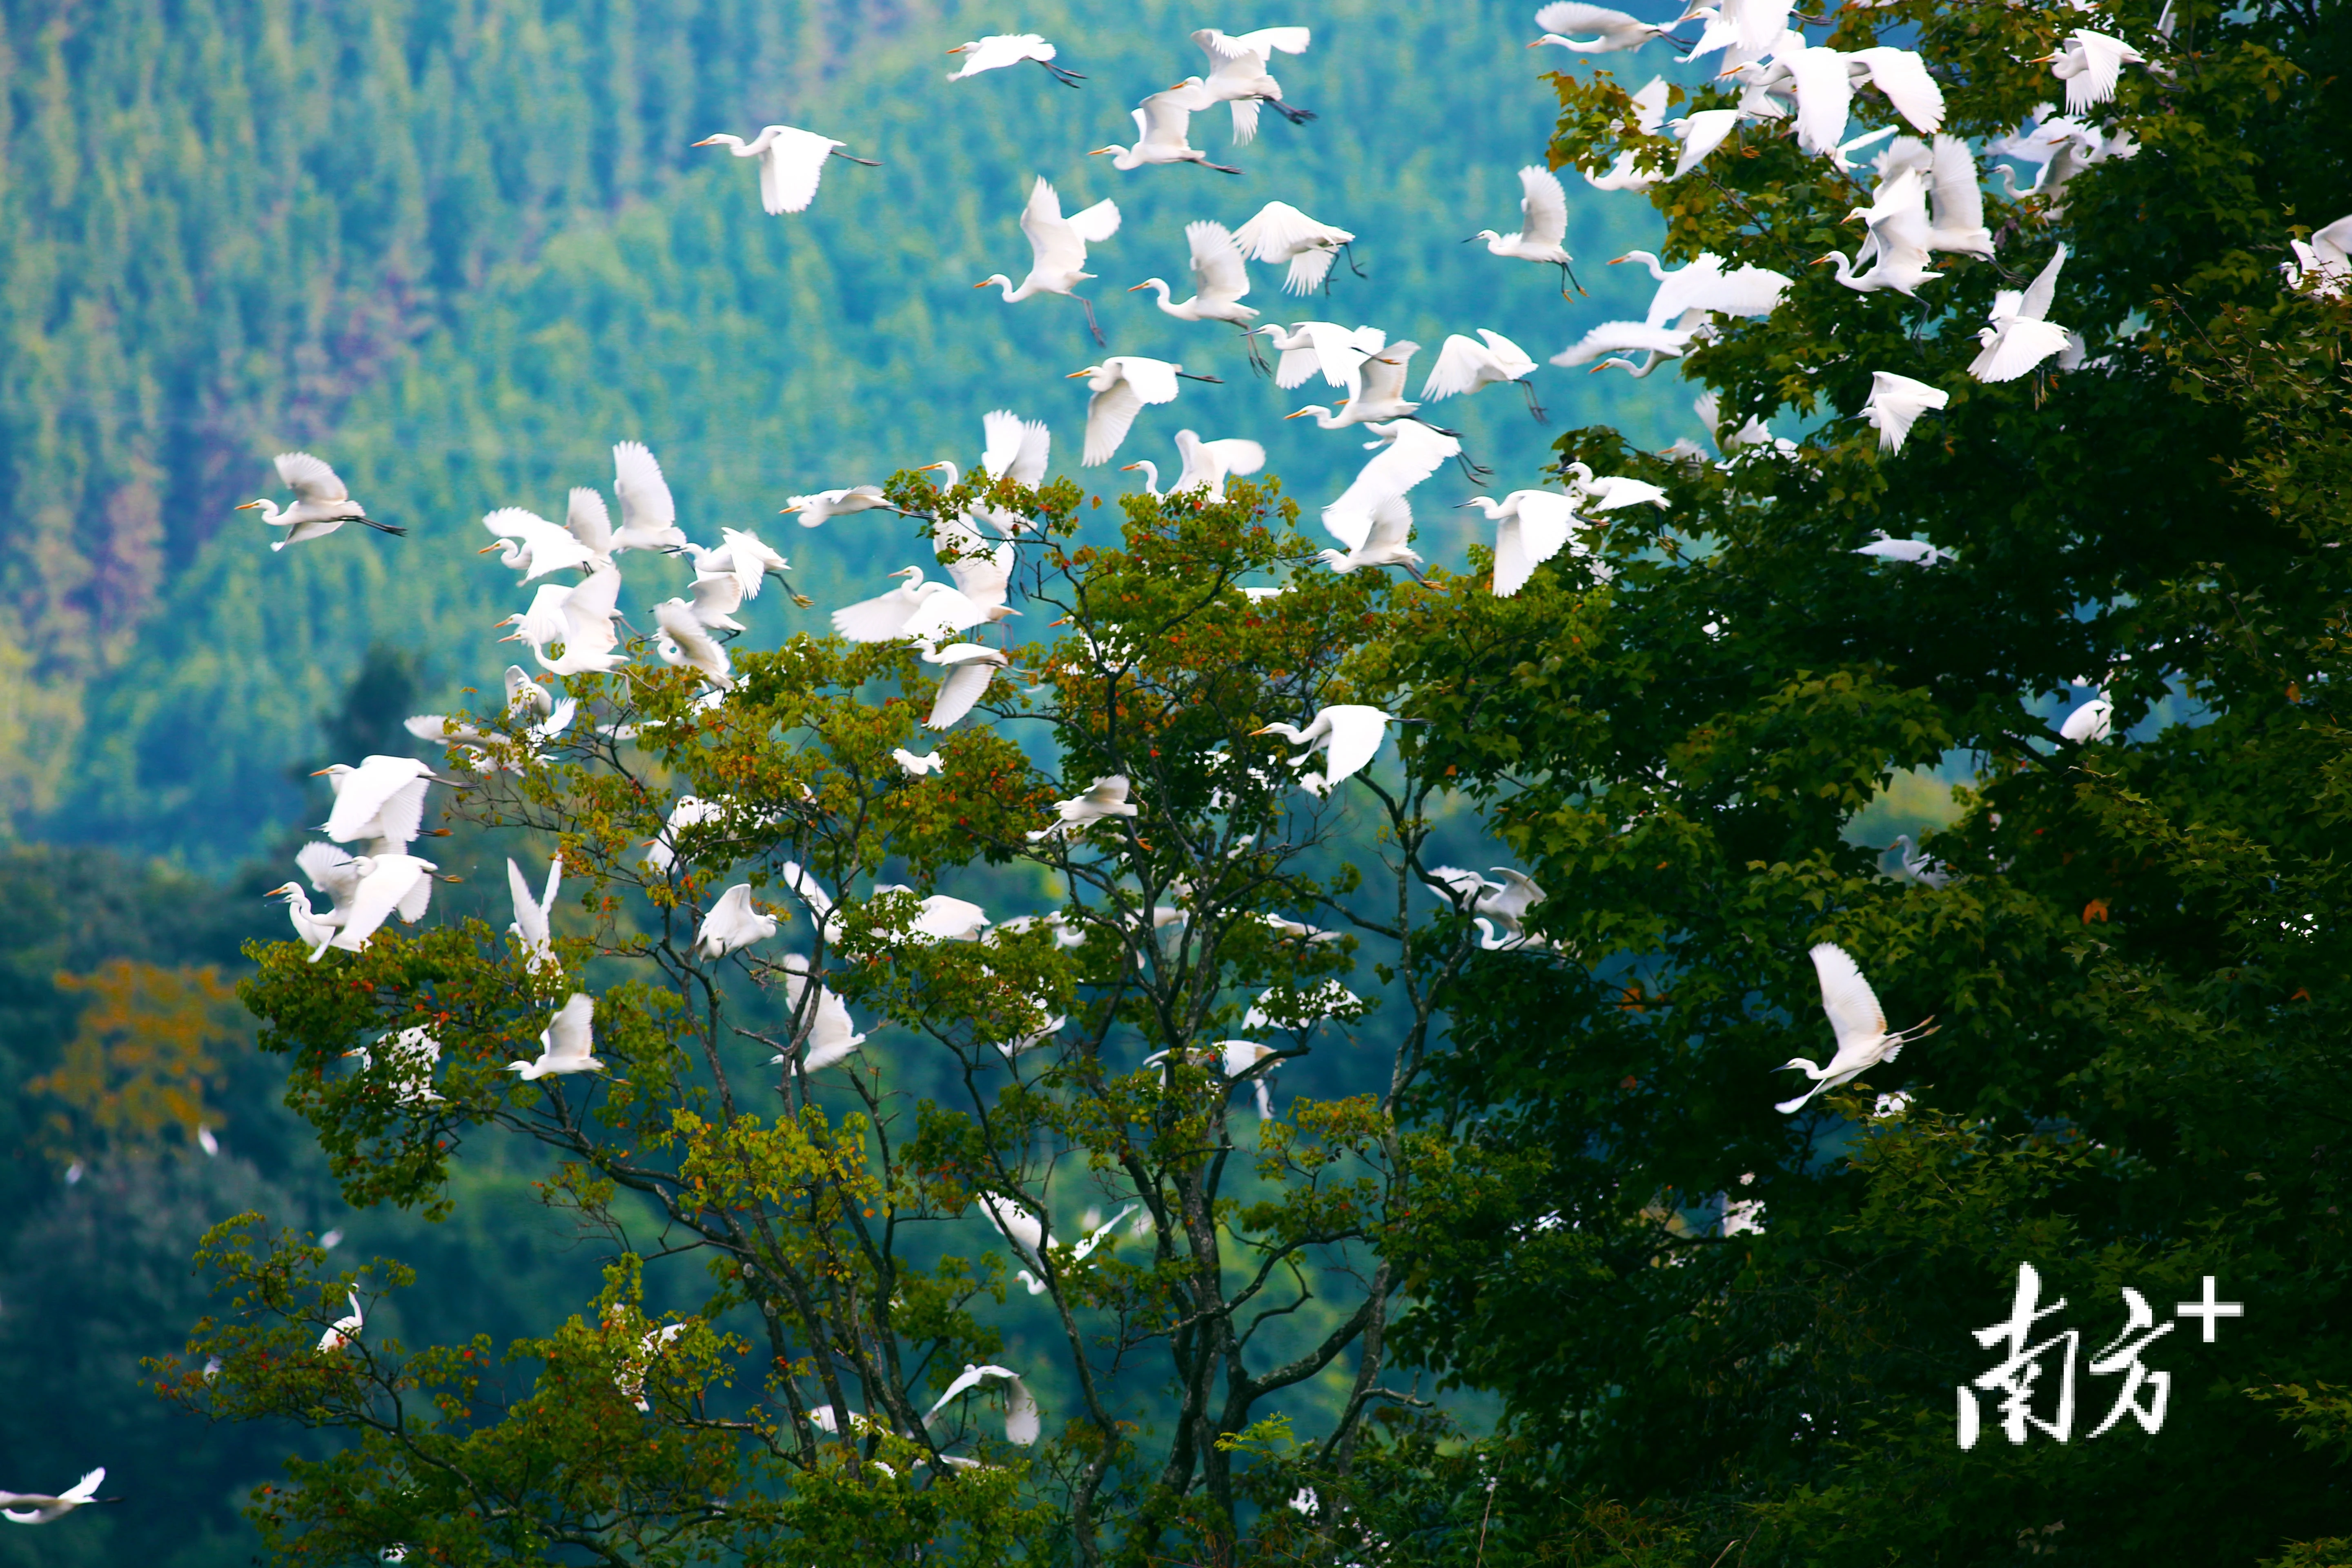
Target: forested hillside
[(489, 250)]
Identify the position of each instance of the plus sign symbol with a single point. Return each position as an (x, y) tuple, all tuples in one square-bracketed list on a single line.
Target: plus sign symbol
[(2208, 1310)]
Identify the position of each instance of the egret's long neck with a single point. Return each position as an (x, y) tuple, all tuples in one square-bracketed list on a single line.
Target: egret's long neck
[(1151, 479)]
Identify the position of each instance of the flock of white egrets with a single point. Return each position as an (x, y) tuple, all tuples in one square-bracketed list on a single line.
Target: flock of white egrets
[(1926, 200)]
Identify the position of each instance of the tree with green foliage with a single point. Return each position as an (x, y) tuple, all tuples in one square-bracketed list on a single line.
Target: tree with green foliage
[(871, 1225), (1721, 1332)]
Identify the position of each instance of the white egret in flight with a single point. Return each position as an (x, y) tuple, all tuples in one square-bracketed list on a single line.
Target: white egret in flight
[(1543, 225), (1612, 492), (1702, 284), (1057, 248), (530, 544), (914, 608), (1895, 403), (733, 921), (40, 1508), (534, 924), (1324, 348), (1121, 386), (321, 503), (1220, 278), (1532, 526), (1896, 249), (1280, 232), (1911, 552), (2090, 64), (1466, 365), (565, 1044), (2019, 337), (1859, 1021), (998, 51), (1015, 448), (648, 514), (1105, 798), (385, 884), (970, 667), (1204, 466), (791, 161), (831, 1036), (310, 930), (1238, 74), (684, 644), (1163, 125), (1956, 226), (1384, 537), (1348, 734), (1375, 390), (1022, 1423), (578, 619), (1410, 452), (1613, 30), (381, 800), (812, 510)]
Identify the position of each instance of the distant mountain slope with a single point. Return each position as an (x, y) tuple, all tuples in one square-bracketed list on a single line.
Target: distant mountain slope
[(762, 356), (225, 219)]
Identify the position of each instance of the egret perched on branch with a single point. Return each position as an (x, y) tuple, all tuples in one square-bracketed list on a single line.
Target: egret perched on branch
[(2324, 262), (915, 766), (321, 503), (1348, 734), (998, 51), (345, 1329), (1238, 75), (1466, 365), (1280, 232), (1163, 124), (2019, 337), (1543, 225), (1631, 171), (534, 927), (1507, 902), (1611, 492), (2090, 64), (1238, 1059), (1859, 1021), (1057, 248), (411, 1054), (814, 510), (40, 1508), (733, 921), (1022, 1425), (1121, 386), (1895, 403), (791, 161), (1613, 30), (1533, 527), (564, 1044), (1220, 278), (2092, 723), (1098, 802)]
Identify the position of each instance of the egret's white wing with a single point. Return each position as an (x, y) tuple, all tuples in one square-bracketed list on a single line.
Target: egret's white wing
[(84, 1489), (1218, 270), (380, 892), (1055, 246), (403, 812), (1541, 531), (2102, 60), (542, 623), (1003, 431), (1154, 380), (570, 1034), (881, 618), (2021, 346), (311, 479), (1236, 455), (1570, 18), (1414, 452), (1355, 733), (1098, 223), (943, 610), (413, 903), (589, 522), (1511, 360), (1896, 404), (2035, 306), (588, 609), (530, 919), (1853, 1007), (1272, 41), (365, 790), (1277, 230), (1747, 292), (1902, 77), (965, 685), (646, 503), (332, 871), (792, 167), (1702, 133), (1649, 104), (1307, 270), (1959, 198), (1459, 360), (1543, 210), (1623, 337), (1338, 352), (1824, 95), (1110, 414)]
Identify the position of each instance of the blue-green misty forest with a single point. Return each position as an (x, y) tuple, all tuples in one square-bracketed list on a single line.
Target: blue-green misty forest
[(460, 249)]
